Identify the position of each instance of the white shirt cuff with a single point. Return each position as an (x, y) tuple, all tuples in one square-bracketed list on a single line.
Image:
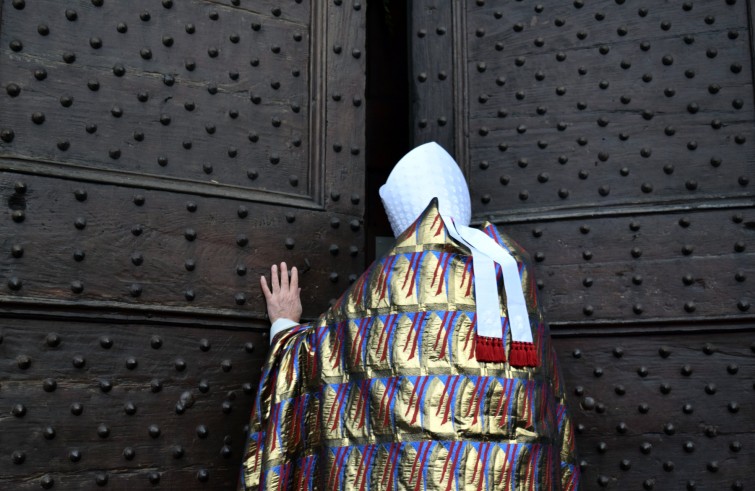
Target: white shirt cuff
[(281, 325)]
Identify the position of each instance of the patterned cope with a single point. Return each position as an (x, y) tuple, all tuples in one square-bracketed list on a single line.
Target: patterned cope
[(383, 391)]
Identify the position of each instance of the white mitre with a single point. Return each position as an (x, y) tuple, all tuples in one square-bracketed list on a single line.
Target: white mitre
[(425, 173)]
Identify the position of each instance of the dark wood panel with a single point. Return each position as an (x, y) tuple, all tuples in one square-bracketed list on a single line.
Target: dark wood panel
[(225, 102), (279, 151), (82, 243), (433, 76), (565, 106), (658, 412), (689, 265), (607, 105), (343, 98), (106, 388)]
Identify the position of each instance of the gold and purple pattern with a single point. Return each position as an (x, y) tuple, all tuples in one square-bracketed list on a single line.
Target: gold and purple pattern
[(383, 391)]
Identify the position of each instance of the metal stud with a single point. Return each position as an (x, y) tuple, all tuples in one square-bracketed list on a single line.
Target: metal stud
[(78, 361), (103, 431), (47, 481), (154, 431)]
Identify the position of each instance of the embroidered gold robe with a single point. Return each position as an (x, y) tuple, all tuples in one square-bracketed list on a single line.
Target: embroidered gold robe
[(383, 391)]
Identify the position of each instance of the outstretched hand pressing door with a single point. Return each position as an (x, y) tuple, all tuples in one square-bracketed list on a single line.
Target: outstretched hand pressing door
[(283, 298)]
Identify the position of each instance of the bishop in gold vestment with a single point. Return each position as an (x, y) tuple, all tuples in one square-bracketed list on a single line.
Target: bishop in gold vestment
[(385, 391)]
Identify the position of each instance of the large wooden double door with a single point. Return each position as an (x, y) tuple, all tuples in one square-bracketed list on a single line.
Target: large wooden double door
[(157, 156)]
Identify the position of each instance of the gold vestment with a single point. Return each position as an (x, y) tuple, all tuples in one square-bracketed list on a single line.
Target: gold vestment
[(384, 392)]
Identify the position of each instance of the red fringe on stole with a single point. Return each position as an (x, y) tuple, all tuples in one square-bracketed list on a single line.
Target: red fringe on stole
[(489, 349), (523, 355)]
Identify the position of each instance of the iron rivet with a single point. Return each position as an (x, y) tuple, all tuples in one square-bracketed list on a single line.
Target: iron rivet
[(18, 410), (52, 340), (103, 431), (178, 451), (135, 290), (588, 403), (203, 475), (156, 385), (106, 342), (14, 283)]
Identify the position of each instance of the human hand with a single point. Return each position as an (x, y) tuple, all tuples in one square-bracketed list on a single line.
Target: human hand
[(284, 300)]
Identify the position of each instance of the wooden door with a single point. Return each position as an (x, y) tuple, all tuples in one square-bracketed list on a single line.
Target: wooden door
[(614, 141), (155, 159)]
